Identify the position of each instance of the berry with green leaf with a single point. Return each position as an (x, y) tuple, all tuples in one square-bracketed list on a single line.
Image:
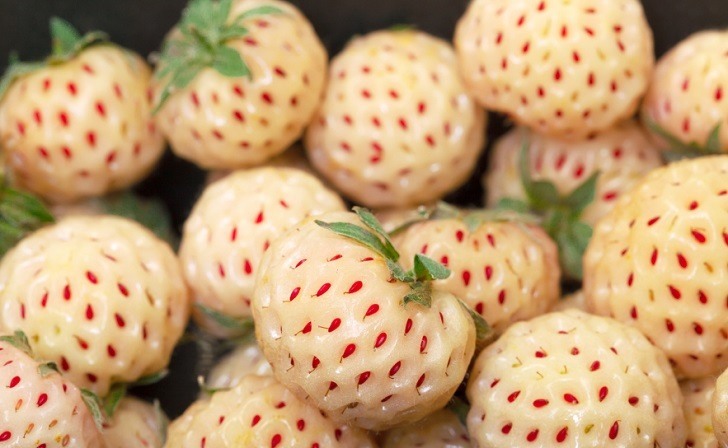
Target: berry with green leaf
[(230, 228), (657, 262), (396, 127), (346, 327), (136, 423), (505, 269), (78, 124), (238, 80), (40, 408), (570, 379), (21, 213), (557, 179), (260, 412), (441, 429), (102, 297), (562, 68), (686, 106)]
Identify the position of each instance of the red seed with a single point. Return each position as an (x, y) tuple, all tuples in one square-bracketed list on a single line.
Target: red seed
[(301, 424), (574, 351), (381, 339), (466, 277), (420, 380), (561, 435), (512, 397), (322, 290), (67, 292), (633, 312), (488, 272), (349, 350), (372, 310), (395, 368), (356, 286), (702, 297), (571, 399), (539, 403), (502, 296), (653, 257), (595, 366), (334, 324), (423, 344), (532, 436), (315, 362), (633, 400), (14, 382), (407, 326), (306, 328), (123, 290), (119, 321), (614, 430), (5, 435), (697, 328), (363, 378), (267, 98), (275, 441), (111, 351), (89, 312), (603, 391), (506, 429), (42, 399), (669, 325), (247, 267), (676, 294)]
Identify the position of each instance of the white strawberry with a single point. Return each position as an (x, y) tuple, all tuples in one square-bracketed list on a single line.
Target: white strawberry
[(622, 155), (247, 359), (260, 412), (569, 379), (719, 409), (574, 300), (343, 329), (505, 271), (698, 396), (40, 409), (396, 127), (563, 68), (657, 261), (79, 125), (136, 424), (687, 103), (230, 228), (102, 297), (293, 157), (240, 79), (441, 429)]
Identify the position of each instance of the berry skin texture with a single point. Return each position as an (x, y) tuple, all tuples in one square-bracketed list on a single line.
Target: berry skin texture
[(623, 155), (505, 271), (688, 94), (698, 395), (569, 379), (573, 300), (83, 128), (657, 262), (219, 122), (246, 359), (564, 69), (719, 414), (442, 429), (331, 322), (102, 297), (396, 127), (259, 413), (40, 410), (233, 224), (135, 423)]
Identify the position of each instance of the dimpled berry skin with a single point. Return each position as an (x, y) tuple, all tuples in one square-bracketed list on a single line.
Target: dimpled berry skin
[(102, 297), (233, 224), (441, 429), (623, 155), (688, 94), (330, 320), (260, 412), (247, 359), (698, 395), (570, 379), (83, 128), (505, 271), (563, 68), (219, 122), (396, 127), (135, 423), (40, 410), (719, 414), (657, 261)]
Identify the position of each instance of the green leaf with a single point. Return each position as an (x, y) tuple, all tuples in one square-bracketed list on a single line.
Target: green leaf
[(93, 403), (64, 37), (543, 195), (48, 368), (243, 325), (358, 234), (573, 239), (403, 27), (259, 11), (148, 380), (679, 149), (180, 79), (712, 145), (421, 294), (399, 273), (228, 62), (443, 210), (425, 268), (516, 205), (20, 214), (232, 32), (583, 195), (112, 400), (15, 71), (151, 213), (484, 334), (460, 408), (18, 340), (371, 221), (207, 389)]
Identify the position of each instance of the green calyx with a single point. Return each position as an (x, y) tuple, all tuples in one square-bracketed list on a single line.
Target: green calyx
[(20, 214), (243, 326), (149, 212), (424, 270), (66, 43), (118, 391), (681, 150), (204, 34), (561, 214)]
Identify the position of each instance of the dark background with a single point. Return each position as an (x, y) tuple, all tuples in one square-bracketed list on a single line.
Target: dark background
[(141, 24)]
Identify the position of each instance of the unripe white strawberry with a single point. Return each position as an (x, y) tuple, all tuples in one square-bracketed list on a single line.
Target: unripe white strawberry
[(260, 412), (396, 127), (39, 408), (687, 102), (82, 127), (657, 261), (245, 360), (441, 429), (719, 409), (622, 155), (332, 319), (102, 297), (570, 379), (136, 423), (233, 224), (505, 271), (698, 396), (233, 114), (563, 68), (574, 300)]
